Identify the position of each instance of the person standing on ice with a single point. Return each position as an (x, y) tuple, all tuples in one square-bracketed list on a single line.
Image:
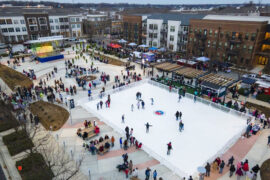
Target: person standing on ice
[(180, 115), (101, 103), (123, 118), (121, 142), (98, 106), (181, 126), (179, 97), (138, 104), (132, 107), (143, 104), (147, 127), (169, 148), (195, 95), (152, 101), (177, 115)]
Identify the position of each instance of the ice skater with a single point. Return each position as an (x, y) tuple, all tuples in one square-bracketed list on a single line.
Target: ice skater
[(180, 115), (177, 114), (123, 118), (101, 103), (132, 107), (169, 148), (138, 104), (147, 127), (152, 101), (179, 98), (98, 106), (143, 104), (181, 126)]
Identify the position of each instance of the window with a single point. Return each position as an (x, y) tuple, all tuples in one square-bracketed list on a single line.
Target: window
[(15, 22), (171, 38), (216, 32), (43, 28), (10, 29), (78, 25), (8, 21), (4, 30), (63, 19), (246, 36), (56, 20), (19, 37), (190, 30), (56, 27), (214, 44), (155, 44), (33, 28), (155, 35), (52, 27), (151, 26), (219, 44), (22, 21), (32, 21), (73, 26), (51, 20), (72, 19), (210, 32), (209, 43), (18, 29), (172, 28), (155, 27), (190, 39), (253, 37), (150, 43), (150, 35), (2, 21), (221, 34), (250, 48), (23, 29), (225, 44), (77, 19), (42, 21), (244, 47)]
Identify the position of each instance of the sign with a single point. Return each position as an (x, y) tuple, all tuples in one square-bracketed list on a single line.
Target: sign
[(71, 104)]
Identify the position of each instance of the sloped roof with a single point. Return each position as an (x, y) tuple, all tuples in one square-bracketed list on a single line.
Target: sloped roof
[(184, 18)]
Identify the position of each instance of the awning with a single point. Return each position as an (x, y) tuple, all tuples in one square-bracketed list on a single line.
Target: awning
[(122, 41), (202, 59), (143, 46), (153, 49), (132, 44), (112, 45)]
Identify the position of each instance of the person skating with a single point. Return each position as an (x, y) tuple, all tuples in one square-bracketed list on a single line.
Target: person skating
[(179, 98), (123, 118), (101, 103), (169, 148), (180, 115), (177, 115), (181, 126), (132, 107), (155, 175), (152, 101), (208, 169), (230, 161), (120, 142), (112, 141), (147, 127), (138, 104), (232, 169), (256, 168), (143, 104)]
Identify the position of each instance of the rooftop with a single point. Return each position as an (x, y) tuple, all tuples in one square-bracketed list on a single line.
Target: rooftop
[(184, 18), (238, 18), (19, 11)]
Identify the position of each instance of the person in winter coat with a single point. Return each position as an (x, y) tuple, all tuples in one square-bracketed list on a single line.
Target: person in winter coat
[(155, 175), (147, 173), (126, 172), (221, 167), (121, 142), (169, 148), (190, 178), (181, 126), (208, 169), (112, 141), (230, 161), (177, 115), (130, 166), (239, 173), (246, 167), (256, 168), (147, 127), (232, 169)]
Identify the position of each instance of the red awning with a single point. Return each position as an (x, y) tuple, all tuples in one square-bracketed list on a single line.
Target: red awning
[(112, 45)]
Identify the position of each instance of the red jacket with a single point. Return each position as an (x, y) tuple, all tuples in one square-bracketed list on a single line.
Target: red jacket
[(245, 167)]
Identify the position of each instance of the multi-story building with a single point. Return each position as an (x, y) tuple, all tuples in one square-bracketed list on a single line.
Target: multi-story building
[(234, 39), (117, 29), (132, 28), (169, 30), (96, 26), (19, 24)]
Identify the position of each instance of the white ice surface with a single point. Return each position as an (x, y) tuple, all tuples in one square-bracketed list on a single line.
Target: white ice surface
[(207, 130)]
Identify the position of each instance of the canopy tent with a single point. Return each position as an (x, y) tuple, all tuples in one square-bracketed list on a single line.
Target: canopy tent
[(148, 56), (153, 49), (167, 67), (132, 44), (112, 45), (122, 41), (162, 49), (202, 59), (143, 46)]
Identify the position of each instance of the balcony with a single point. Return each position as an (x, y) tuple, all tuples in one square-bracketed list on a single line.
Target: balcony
[(232, 51)]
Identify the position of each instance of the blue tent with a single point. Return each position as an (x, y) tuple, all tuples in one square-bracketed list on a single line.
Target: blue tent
[(153, 49)]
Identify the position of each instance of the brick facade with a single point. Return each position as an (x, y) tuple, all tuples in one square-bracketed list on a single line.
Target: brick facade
[(132, 28)]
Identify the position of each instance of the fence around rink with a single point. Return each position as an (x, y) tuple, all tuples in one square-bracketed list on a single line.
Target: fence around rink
[(162, 160)]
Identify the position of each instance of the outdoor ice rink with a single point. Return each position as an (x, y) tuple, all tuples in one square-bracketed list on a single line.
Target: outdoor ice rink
[(207, 130)]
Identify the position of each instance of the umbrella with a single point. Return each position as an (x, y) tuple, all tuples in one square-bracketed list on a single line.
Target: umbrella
[(153, 48), (122, 41), (201, 170), (143, 46), (162, 49), (203, 59), (132, 44)]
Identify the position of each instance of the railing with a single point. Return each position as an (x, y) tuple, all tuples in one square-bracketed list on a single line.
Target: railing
[(173, 90)]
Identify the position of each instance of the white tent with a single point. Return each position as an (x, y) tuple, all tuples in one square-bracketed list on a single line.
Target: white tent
[(143, 46), (203, 59), (122, 41), (132, 44)]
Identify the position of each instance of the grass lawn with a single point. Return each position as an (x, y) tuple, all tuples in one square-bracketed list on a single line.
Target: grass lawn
[(112, 61), (265, 170), (17, 142), (7, 120), (14, 78), (50, 115), (34, 168)]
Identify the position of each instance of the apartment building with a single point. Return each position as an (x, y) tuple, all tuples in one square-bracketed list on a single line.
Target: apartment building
[(169, 30), (19, 24), (132, 28), (240, 40)]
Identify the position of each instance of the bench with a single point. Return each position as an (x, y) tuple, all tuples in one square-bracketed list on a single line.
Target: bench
[(90, 132), (105, 150)]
